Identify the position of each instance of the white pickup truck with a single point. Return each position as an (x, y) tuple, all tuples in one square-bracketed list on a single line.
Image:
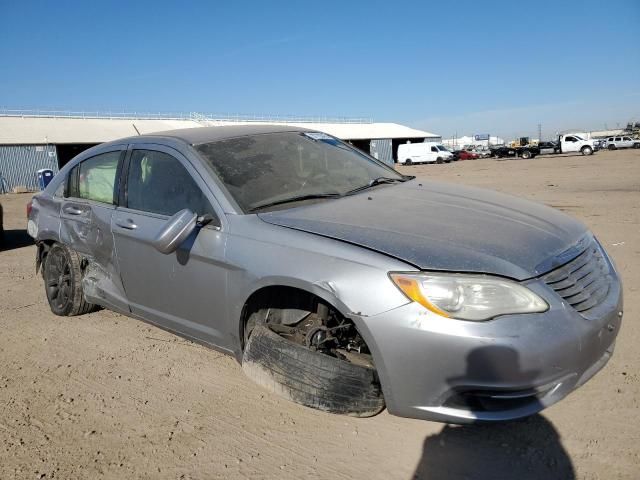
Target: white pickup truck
[(575, 143)]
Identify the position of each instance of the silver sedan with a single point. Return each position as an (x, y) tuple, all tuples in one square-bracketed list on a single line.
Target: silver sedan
[(336, 281)]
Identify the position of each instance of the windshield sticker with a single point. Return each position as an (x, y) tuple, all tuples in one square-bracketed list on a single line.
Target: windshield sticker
[(319, 136)]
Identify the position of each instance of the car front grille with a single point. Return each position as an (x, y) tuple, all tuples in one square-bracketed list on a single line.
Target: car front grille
[(584, 282)]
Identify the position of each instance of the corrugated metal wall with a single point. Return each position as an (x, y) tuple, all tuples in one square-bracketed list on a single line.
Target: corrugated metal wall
[(19, 164), (382, 150)]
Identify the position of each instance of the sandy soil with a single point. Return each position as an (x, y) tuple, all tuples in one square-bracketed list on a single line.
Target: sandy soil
[(106, 396)]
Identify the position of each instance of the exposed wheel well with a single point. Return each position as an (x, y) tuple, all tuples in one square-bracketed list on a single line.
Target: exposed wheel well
[(304, 319), (277, 302), (43, 250)]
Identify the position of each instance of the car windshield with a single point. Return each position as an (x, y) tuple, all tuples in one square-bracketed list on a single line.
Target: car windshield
[(578, 137), (275, 168), (442, 148)]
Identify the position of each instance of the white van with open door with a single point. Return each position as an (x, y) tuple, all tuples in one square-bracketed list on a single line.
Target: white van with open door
[(425, 152)]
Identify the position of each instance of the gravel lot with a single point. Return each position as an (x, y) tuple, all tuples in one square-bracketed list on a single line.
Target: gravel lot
[(106, 396)]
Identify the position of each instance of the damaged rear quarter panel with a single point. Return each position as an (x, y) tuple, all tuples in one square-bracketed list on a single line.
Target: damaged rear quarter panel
[(88, 233)]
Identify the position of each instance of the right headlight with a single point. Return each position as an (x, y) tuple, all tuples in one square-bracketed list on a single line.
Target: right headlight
[(468, 297)]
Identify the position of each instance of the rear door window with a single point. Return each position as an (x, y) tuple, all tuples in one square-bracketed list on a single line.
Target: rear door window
[(158, 183), (95, 178)]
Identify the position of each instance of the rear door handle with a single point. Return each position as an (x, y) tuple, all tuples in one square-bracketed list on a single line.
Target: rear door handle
[(72, 210), (127, 224)]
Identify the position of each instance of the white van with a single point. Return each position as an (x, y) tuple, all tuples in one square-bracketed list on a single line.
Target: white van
[(425, 152)]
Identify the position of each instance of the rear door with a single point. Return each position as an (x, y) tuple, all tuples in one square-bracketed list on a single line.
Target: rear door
[(185, 290), (85, 223)]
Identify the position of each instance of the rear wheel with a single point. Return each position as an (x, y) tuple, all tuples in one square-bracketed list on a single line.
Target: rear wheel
[(586, 151), (526, 154), (408, 161), (63, 282)]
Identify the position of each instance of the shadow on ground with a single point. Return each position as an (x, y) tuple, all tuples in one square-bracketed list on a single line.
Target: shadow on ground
[(523, 450), (13, 239)]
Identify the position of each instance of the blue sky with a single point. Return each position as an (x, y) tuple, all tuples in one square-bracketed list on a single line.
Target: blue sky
[(497, 67)]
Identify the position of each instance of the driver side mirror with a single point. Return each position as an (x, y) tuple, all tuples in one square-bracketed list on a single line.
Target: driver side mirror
[(175, 231)]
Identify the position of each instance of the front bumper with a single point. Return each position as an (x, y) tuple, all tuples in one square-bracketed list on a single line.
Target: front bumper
[(455, 371)]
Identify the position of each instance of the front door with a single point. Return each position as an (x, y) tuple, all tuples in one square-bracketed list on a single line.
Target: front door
[(183, 291), (570, 144)]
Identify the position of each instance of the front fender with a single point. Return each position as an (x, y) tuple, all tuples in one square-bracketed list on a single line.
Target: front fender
[(326, 290), (352, 279)]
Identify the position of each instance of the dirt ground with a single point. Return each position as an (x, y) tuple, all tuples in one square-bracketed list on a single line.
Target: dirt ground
[(106, 396)]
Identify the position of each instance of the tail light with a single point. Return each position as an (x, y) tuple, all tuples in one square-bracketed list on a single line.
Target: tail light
[(29, 208)]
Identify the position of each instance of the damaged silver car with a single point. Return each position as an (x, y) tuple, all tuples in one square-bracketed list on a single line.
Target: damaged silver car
[(336, 281)]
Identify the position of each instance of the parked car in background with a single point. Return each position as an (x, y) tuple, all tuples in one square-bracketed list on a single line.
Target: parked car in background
[(483, 152), (575, 143), (467, 155), (336, 281), (423, 152), (624, 141), (547, 148)]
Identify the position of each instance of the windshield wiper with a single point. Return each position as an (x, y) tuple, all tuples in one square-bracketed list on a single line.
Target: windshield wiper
[(376, 181), (299, 198)]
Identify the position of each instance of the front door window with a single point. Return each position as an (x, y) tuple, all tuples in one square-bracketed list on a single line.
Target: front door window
[(159, 183)]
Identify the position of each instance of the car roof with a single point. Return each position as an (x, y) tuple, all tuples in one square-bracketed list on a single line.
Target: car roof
[(199, 135)]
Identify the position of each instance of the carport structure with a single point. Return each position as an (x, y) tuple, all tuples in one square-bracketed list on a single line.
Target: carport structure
[(32, 140)]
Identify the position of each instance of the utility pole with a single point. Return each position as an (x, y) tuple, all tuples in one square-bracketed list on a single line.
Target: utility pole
[(539, 132)]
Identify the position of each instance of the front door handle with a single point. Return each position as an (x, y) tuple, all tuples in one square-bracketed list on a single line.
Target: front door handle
[(127, 224), (72, 210)]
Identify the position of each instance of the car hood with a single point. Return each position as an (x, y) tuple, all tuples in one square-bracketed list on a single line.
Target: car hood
[(438, 226)]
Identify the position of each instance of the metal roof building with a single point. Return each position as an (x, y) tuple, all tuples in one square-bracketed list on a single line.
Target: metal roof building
[(32, 140)]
